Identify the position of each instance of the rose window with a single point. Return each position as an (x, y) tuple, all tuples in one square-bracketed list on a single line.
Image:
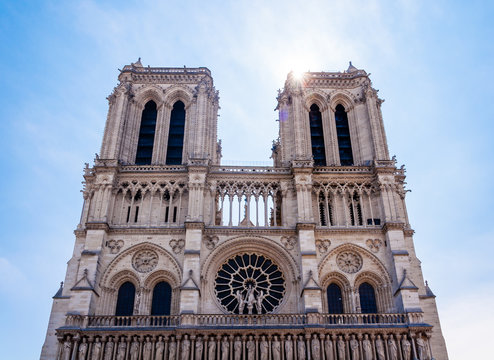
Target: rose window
[(349, 261), (249, 284)]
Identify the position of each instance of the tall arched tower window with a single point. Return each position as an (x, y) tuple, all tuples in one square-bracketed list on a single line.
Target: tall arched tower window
[(145, 144), (335, 300), (343, 134), (317, 136), (125, 300), (162, 298), (367, 299), (176, 135)]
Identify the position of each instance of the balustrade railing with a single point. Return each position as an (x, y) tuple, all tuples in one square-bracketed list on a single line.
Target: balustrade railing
[(215, 320)]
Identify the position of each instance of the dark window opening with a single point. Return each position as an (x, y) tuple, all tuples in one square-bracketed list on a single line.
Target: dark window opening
[(145, 144), (125, 300), (367, 299), (335, 299), (176, 135), (373, 221), (166, 213), (355, 211), (128, 213), (343, 135), (174, 214), (317, 136), (322, 214), (162, 299), (137, 214)]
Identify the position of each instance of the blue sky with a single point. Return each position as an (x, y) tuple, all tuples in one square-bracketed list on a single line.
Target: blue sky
[(431, 61)]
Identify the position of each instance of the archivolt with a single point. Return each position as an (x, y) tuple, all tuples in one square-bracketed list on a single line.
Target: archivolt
[(317, 97), (342, 97), (149, 92), (165, 258), (178, 92)]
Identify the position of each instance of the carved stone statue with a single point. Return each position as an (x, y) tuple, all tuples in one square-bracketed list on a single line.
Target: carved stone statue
[(199, 348), (96, 352), (211, 349), (134, 350), (186, 348), (276, 348), (328, 348), (421, 348), (288, 348), (367, 348), (241, 302), (341, 349), (237, 348), (67, 348), (263, 346), (172, 351), (392, 349), (300, 348), (407, 348), (160, 348), (147, 349), (251, 299), (259, 300), (354, 348), (379, 348), (122, 346), (225, 349), (251, 349), (82, 349), (315, 347), (110, 345)]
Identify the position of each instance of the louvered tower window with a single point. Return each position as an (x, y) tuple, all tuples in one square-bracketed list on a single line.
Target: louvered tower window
[(317, 136), (343, 135), (176, 135), (145, 144), (125, 300), (335, 300), (367, 299), (162, 298)]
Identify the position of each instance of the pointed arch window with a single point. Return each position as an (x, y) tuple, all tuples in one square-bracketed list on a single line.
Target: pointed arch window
[(317, 136), (145, 143), (343, 135), (176, 135), (367, 298), (162, 299), (125, 299), (335, 299)]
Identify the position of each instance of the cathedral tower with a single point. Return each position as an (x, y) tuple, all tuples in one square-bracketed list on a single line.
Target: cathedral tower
[(179, 257)]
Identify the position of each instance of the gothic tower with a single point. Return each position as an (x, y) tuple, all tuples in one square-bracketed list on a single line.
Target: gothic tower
[(179, 257)]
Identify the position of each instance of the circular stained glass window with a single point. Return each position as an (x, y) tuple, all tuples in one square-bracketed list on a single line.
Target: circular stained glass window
[(249, 284)]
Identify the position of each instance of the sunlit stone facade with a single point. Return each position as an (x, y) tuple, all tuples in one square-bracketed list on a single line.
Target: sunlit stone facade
[(179, 257)]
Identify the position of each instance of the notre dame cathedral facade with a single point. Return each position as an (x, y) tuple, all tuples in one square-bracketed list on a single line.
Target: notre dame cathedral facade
[(178, 257)]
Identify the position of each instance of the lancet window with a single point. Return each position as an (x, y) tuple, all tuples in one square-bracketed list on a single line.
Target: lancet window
[(176, 134), (248, 204), (145, 143), (367, 296), (355, 210), (125, 299), (335, 299), (317, 136), (343, 135), (162, 297)]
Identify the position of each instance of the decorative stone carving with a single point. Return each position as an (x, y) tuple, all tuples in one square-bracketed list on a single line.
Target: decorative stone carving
[(421, 351), (289, 242), (177, 245), (145, 260), (354, 348), (341, 349), (134, 350), (276, 348), (115, 246), (374, 244), (96, 352), (160, 346), (247, 280), (289, 348), (367, 348), (210, 241), (212, 348), (237, 349), (122, 346), (301, 348), (147, 349), (393, 350), (315, 348), (251, 348), (328, 348), (349, 262), (83, 349), (379, 348), (199, 348), (186, 348), (263, 346), (225, 348), (67, 348), (407, 348), (323, 245), (172, 349)]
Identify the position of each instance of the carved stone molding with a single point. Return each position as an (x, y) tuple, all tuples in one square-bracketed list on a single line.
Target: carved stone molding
[(289, 242), (145, 260), (374, 244), (210, 241), (323, 245), (177, 245), (115, 246), (349, 261)]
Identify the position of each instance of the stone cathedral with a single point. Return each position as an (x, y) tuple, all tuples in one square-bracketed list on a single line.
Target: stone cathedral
[(178, 257)]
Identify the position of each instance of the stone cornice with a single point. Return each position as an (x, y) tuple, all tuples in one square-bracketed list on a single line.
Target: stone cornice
[(194, 225), (246, 231), (96, 225), (306, 226), (348, 230), (388, 226)]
